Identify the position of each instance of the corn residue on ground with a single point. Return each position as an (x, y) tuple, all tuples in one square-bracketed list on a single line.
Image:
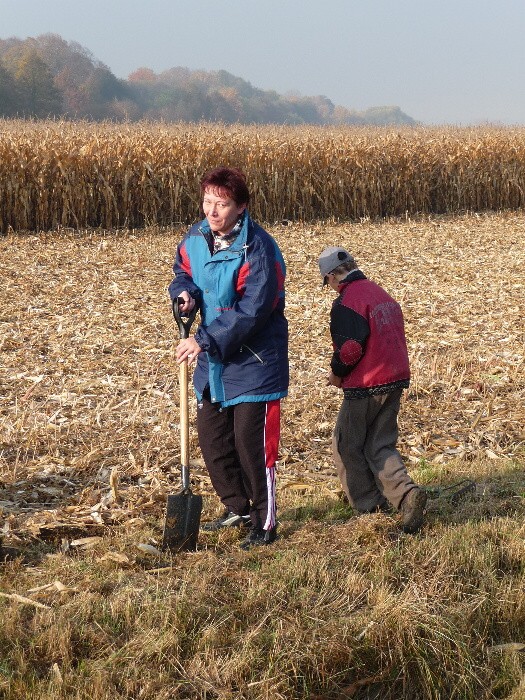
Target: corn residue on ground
[(340, 606)]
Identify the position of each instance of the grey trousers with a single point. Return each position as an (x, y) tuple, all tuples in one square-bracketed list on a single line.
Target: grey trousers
[(368, 464)]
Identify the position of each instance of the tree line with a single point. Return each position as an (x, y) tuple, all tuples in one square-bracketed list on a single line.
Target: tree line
[(47, 77)]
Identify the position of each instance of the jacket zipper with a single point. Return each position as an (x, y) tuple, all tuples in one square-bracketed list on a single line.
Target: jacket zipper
[(253, 353)]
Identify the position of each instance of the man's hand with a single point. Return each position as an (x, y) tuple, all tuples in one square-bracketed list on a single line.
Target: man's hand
[(332, 380), (187, 349), (189, 302)]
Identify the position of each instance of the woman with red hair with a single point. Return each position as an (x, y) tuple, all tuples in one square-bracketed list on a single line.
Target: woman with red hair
[(233, 271)]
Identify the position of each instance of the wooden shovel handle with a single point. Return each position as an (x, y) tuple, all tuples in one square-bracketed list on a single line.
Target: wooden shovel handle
[(184, 415), (184, 330)]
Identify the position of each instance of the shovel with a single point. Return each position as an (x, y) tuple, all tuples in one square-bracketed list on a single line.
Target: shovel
[(183, 511)]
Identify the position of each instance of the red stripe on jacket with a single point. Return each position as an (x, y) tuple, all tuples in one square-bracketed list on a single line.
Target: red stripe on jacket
[(280, 282), (244, 271), (185, 261), (272, 428)]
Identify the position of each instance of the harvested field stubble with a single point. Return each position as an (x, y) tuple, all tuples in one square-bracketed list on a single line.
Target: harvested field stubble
[(88, 373), (90, 384), (89, 448), (61, 174)]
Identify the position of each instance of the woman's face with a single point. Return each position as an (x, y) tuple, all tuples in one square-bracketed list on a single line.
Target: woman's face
[(220, 210)]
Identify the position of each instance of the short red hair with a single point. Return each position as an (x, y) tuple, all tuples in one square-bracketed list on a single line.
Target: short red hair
[(232, 181)]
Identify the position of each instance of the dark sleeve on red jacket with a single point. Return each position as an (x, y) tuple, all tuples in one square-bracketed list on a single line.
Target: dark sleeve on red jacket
[(349, 331)]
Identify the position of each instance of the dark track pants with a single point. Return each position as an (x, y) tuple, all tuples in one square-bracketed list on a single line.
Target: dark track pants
[(368, 464), (239, 445)]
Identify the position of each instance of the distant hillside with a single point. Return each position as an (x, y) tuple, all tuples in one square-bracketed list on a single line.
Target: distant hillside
[(48, 76)]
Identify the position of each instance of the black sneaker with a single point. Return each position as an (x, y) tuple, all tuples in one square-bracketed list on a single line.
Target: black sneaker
[(413, 510), (227, 519), (258, 537)]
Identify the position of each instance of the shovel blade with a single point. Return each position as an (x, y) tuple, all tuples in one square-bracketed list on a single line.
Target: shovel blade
[(183, 517)]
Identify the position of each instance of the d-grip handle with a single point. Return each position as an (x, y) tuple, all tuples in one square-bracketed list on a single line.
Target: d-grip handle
[(184, 326)]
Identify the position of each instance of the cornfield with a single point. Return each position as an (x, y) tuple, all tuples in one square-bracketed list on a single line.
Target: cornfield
[(57, 175)]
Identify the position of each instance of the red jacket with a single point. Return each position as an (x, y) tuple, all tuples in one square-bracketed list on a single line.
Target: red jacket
[(368, 335)]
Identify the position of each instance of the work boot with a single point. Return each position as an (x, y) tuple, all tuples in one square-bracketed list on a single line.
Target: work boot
[(413, 510), (227, 519), (258, 537)]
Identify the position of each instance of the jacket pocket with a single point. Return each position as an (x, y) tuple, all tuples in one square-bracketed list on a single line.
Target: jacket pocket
[(255, 354)]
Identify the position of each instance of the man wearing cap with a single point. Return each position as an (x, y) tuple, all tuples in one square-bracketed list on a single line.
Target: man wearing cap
[(370, 364)]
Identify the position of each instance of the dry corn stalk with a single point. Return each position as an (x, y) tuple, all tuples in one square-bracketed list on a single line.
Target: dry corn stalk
[(81, 175)]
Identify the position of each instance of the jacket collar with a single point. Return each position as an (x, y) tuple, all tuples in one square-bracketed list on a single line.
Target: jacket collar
[(240, 241), (351, 277)]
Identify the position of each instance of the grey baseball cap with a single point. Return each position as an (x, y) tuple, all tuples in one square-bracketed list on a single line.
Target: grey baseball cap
[(332, 257)]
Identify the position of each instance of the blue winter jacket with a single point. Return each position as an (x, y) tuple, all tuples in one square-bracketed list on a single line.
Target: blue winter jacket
[(243, 330)]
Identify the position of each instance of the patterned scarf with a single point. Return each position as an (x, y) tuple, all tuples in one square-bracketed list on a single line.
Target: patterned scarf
[(223, 242)]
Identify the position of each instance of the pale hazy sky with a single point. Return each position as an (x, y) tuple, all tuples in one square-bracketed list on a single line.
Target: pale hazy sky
[(440, 61)]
